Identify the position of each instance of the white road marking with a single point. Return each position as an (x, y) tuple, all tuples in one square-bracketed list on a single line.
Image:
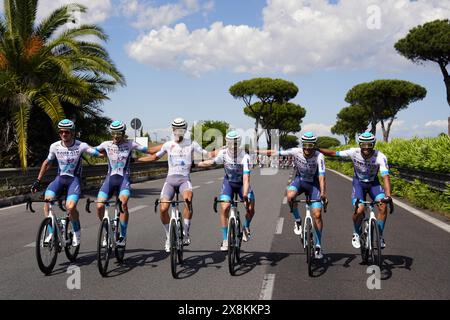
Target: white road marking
[(267, 287), (442, 225), (279, 229), (196, 187), (30, 245), (137, 208), (209, 182), (285, 200)]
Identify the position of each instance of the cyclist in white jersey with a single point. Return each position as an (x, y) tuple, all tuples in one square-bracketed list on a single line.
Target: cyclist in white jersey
[(367, 162), (309, 179), (67, 153), (180, 153), (119, 152), (237, 165)]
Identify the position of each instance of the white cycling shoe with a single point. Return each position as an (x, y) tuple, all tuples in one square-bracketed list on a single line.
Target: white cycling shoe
[(246, 234), (356, 243), (76, 239), (298, 228), (167, 246), (224, 246), (382, 243), (318, 253)]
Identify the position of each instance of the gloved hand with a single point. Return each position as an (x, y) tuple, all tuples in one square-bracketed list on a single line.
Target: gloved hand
[(36, 186)]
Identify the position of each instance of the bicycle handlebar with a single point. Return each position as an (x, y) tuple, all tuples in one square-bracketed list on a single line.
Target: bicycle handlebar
[(309, 202), (117, 202), (223, 201), (189, 203), (375, 203), (29, 204)]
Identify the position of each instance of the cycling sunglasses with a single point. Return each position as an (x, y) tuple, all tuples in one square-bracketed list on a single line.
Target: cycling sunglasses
[(308, 145), (367, 145)]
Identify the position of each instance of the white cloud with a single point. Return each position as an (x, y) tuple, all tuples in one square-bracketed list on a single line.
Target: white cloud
[(98, 10), (148, 16), (297, 36), (437, 124), (319, 129)]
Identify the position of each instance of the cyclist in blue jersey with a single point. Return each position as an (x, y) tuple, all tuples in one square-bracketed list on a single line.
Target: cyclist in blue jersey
[(67, 153), (237, 164), (309, 179), (118, 151), (367, 162)]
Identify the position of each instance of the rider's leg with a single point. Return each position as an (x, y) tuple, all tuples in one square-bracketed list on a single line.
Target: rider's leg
[(186, 191), (377, 193), (358, 192), (167, 194), (73, 192), (316, 210), (224, 219), (124, 196), (103, 195)]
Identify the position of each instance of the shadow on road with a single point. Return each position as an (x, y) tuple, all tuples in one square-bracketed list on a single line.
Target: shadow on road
[(320, 267), (218, 260), (391, 262)]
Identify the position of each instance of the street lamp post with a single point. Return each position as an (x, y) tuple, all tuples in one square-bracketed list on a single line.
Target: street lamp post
[(156, 135)]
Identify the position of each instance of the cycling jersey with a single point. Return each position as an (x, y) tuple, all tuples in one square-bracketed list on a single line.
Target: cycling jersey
[(119, 156), (180, 156), (366, 170), (69, 158), (235, 167), (308, 169)]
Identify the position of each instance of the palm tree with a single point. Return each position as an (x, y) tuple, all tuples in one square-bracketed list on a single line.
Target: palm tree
[(48, 65)]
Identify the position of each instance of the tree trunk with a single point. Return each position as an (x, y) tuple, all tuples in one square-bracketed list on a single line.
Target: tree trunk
[(446, 80), (256, 135), (386, 131)]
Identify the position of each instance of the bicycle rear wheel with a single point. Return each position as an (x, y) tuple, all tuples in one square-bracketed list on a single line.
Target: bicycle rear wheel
[(173, 248), (71, 251), (104, 246), (375, 253), (363, 240), (119, 252), (309, 246), (46, 252), (231, 246)]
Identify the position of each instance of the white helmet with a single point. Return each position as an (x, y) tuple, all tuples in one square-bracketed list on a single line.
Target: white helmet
[(179, 123)]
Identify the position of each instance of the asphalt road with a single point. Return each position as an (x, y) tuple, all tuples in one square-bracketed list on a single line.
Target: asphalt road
[(416, 260)]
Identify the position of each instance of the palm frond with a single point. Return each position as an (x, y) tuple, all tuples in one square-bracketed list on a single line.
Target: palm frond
[(49, 102), (20, 119)]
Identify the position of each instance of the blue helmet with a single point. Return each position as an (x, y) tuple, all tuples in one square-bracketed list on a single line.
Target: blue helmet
[(66, 124), (233, 136), (117, 126), (309, 137), (367, 137)]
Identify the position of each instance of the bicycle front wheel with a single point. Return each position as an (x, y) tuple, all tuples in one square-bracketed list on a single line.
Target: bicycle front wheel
[(180, 246), (375, 253), (232, 239), (119, 252), (173, 248), (239, 231), (103, 248), (46, 246), (363, 240), (71, 251), (309, 246)]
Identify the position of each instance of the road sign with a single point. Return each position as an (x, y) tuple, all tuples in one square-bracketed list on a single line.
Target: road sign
[(136, 124)]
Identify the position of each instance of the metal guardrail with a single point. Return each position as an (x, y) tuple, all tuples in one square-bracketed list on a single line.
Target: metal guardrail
[(436, 181)]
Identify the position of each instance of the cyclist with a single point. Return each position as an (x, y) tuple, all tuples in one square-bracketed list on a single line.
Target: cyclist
[(367, 162), (180, 158), (67, 153), (118, 151), (237, 164), (309, 179)]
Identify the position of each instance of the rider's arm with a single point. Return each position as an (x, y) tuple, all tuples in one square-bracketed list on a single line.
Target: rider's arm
[(155, 149), (44, 167), (384, 170), (322, 179), (328, 152), (157, 156), (269, 152), (246, 177), (217, 160), (94, 152)]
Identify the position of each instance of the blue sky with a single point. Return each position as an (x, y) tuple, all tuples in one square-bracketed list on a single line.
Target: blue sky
[(180, 57)]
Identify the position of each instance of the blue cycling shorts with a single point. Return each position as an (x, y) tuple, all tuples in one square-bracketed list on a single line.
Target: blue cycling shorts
[(361, 189), (228, 189), (115, 182), (71, 184)]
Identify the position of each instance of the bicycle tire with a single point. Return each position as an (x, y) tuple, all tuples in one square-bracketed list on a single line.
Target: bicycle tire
[(363, 241), (309, 246), (180, 245), (173, 249), (103, 253), (239, 231), (231, 246), (376, 245), (46, 268), (119, 252), (71, 251)]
